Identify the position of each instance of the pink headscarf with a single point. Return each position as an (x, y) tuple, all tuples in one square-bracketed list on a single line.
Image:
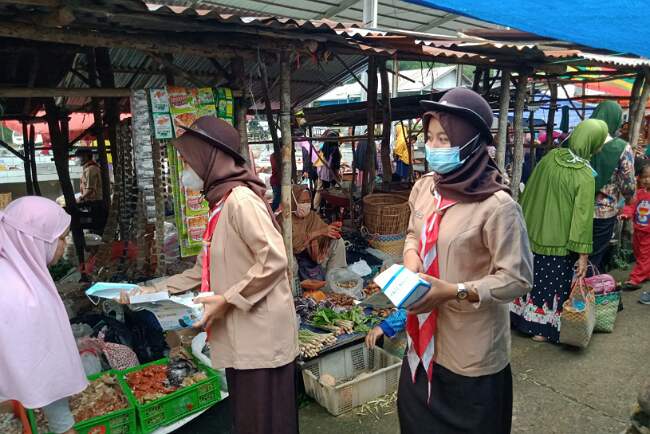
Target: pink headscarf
[(29, 229), (39, 359)]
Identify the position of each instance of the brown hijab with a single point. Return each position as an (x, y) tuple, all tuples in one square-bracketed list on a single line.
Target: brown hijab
[(319, 248), (479, 177), (218, 169)]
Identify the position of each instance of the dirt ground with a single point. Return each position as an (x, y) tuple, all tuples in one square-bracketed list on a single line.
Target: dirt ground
[(556, 390)]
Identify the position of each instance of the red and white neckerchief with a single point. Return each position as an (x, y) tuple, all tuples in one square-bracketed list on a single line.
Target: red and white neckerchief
[(421, 329), (207, 241)]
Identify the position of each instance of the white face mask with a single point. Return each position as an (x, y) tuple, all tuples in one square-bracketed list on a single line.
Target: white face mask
[(303, 210), (191, 180)]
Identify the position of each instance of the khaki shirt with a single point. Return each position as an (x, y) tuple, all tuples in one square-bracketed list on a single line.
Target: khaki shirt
[(91, 183), (248, 265), (485, 246)]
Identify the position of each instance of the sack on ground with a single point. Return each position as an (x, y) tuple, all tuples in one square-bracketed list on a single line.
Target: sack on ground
[(578, 317)]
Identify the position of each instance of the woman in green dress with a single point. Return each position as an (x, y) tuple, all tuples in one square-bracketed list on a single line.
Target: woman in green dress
[(558, 206)]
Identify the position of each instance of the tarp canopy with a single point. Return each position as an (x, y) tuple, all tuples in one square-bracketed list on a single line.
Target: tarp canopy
[(622, 26)]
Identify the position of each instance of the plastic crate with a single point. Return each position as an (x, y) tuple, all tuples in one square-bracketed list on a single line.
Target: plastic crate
[(117, 422), (177, 405), (383, 376)]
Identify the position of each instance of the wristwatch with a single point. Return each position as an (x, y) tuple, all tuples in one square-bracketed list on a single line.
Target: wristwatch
[(462, 292)]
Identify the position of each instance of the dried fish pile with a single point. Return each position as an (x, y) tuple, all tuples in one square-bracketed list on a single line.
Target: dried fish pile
[(101, 397), (9, 424), (157, 381)]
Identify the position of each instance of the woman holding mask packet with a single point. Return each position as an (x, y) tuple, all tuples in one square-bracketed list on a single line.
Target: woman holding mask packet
[(467, 237)]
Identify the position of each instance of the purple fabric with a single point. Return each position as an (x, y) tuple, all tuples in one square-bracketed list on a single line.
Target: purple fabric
[(39, 360)]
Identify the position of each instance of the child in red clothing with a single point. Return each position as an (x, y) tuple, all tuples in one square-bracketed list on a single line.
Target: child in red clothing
[(639, 211)]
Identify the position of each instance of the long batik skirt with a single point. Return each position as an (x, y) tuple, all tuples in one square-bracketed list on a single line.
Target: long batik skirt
[(538, 313), (456, 405)]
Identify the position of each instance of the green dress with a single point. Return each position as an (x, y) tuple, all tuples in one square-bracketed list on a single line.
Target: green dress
[(606, 161), (558, 206), (558, 202)]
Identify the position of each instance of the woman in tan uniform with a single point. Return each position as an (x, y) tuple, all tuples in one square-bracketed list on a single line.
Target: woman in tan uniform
[(251, 321), (468, 239)]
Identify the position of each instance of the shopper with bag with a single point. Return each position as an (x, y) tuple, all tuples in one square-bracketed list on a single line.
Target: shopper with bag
[(615, 181), (251, 319), (40, 365), (558, 205), (467, 236)]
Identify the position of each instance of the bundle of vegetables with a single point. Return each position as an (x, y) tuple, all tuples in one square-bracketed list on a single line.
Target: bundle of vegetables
[(339, 323), (306, 307), (311, 343)]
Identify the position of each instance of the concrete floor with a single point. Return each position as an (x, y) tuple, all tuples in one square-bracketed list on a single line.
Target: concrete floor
[(556, 391)]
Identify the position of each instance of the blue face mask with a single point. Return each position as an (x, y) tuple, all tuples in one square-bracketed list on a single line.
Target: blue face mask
[(445, 160)]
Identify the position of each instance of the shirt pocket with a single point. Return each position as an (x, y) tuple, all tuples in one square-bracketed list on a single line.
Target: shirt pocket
[(467, 257)]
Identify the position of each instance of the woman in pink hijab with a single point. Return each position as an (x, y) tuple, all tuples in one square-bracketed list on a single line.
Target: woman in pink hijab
[(39, 361)]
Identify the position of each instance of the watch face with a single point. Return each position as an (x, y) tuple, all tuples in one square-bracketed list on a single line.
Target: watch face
[(462, 294)]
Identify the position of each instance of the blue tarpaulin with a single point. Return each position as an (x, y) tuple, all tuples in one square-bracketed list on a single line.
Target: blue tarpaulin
[(622, 26)]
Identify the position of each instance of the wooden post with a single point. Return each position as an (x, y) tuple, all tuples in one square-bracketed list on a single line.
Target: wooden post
[(266, 96), (111, 105), (371, 153), (29, 186), (287, 144), (59, 136), (634, 95), (32, 159), (550, 121), (241, 105), (99, 132), (518, 154), (386, 122), (639, 112), (502, 135)]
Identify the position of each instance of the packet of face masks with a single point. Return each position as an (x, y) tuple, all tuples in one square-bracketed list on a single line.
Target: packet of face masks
[(403, 287)]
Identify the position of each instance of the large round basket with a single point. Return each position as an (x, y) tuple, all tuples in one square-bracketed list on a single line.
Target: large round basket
[(385, 214)]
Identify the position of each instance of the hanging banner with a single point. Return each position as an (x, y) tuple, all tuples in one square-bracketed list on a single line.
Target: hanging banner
[(171, 108)]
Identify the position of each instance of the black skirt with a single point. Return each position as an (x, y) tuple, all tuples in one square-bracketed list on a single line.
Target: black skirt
[(457, 405), (263, 401)]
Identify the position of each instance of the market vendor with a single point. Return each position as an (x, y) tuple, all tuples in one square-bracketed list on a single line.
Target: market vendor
[(90, 187), (40, 365), (318, 246), (467, 237), (251, 321)]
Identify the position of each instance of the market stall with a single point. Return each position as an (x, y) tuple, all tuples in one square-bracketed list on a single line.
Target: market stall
[(142, 82)]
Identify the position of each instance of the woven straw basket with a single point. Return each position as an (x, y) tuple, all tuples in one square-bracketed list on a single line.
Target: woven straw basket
[(386, 214)]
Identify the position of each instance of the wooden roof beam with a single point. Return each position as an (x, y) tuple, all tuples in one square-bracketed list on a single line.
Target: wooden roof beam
[(149, 43)]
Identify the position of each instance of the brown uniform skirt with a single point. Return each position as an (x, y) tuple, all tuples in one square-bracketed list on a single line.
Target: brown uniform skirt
[(263, 401)]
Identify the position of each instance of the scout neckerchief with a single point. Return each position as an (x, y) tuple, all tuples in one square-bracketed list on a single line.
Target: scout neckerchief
[(207, 241), (421, 328)]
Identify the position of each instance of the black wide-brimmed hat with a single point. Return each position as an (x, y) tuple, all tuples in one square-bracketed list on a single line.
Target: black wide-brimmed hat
[(466, 104), (218, 133)]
